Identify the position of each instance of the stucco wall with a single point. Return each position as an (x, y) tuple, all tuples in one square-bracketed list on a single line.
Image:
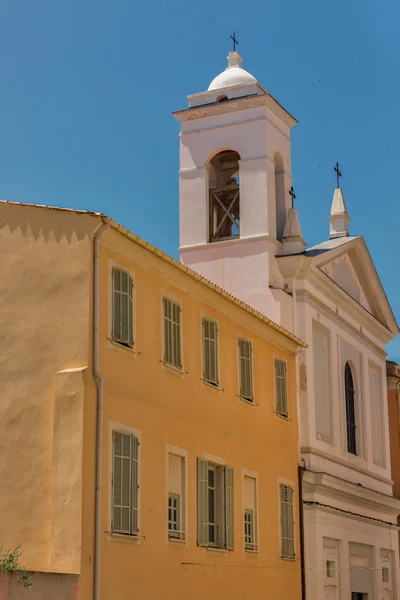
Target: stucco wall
[(45, 295), (178, 410), (46, 586)]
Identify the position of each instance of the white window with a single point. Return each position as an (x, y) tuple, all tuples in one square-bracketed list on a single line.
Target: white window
[(250, 513), (176, 496), (246, 369), (210, 351), (281, 394), (125, 455), (287, 521), (214, 505), (172, 333), (122, 308)]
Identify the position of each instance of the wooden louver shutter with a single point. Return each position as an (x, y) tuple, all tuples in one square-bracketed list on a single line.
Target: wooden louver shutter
[(281, 387), (245, 365), (122, 327), (172, 333), (125, 483), (287, 522), (202, 502), (135, 484), (210, 351), (229, 509)]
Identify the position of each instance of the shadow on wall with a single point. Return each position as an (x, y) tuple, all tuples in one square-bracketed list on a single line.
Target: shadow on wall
[(46, 586), (47, 224)]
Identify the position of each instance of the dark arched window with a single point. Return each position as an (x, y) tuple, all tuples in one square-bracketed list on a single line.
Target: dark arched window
[(350, 410)]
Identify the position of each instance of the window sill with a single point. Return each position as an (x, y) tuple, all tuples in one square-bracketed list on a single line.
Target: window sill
[(252, 552), (290, 559), (212, 550), (121, 348), (172, 541), (211, 387), (246, 402), (125, 538), (281, 418), (178, 371)]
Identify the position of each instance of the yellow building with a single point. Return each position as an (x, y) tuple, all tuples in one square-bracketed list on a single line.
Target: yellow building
[(149, 432)]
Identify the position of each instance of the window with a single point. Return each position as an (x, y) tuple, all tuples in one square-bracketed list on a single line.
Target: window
[(287, 521), (125, 483), (214, 505), (172, 333), (280, 202), (210, 352), (330, 568), (385, 575), (122, 315), (250, 513), (281, 396), (245, 370), (176, 496), (224, 198), (174, 516), (350, 410)]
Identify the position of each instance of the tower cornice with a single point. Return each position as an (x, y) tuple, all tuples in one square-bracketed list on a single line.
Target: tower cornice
[(233, 105)]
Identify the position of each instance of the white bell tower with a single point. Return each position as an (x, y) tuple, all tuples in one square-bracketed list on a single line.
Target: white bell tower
[(235, 177)]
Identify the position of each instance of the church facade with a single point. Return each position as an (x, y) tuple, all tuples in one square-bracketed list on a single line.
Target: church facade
[(239, 228)]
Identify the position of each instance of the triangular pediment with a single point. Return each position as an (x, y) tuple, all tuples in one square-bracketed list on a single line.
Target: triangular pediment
[(349, 266)]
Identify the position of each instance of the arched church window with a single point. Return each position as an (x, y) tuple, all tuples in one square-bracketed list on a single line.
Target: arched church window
[(280, 205), (224, 196), (222, 98), (350, 410)]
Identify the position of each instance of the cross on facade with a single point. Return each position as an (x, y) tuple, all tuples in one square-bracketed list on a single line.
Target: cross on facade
[(293, 195), (233, 38), (338, 174)]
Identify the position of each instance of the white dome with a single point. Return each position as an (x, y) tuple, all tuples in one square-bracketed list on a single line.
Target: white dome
[(233, 74)]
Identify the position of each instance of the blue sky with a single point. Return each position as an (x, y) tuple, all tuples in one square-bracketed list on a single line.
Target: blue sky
[(88, 87)]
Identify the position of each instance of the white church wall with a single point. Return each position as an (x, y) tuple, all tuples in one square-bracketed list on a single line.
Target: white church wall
[(328, 452)]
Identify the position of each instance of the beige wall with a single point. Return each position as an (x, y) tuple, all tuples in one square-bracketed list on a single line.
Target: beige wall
[(139, 392), (45, 298)]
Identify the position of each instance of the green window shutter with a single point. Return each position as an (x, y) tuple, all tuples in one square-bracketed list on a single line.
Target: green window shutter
[(122, 326), (135, 484), (245, 369), (281, 387), (229, 509), (202, 502), (172, 333), (116, 326), (210, 351), (287, 521), (116, 482)]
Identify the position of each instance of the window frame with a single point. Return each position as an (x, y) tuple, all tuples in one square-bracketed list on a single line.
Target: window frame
[(248, 400), (113, 343), (221, 485), (178, 302), (214, 384), (183, 454), (286, 381), (256, 521), (135, 536), (289, 484)]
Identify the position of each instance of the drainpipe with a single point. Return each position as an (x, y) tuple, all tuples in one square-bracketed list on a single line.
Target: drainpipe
[(301, 470), (99, 424)]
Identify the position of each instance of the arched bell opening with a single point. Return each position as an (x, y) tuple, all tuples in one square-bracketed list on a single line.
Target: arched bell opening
[(224, 196)]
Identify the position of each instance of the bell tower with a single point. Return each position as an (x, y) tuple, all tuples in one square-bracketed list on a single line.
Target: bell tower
[(235, 178)]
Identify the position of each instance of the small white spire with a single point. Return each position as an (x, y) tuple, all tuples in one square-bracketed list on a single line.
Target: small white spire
[(293, 241), (234, 60), (339, 217)]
